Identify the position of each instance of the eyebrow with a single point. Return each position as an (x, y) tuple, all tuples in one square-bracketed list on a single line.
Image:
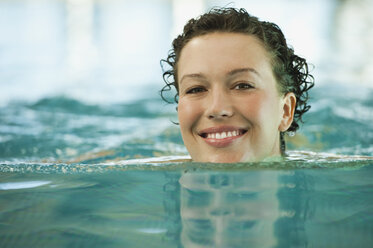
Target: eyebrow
[(243, 70), (230, 73), (193, 75)]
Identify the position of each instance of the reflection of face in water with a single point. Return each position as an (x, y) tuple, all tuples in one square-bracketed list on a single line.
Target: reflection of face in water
[(271, 208), (228, 209)]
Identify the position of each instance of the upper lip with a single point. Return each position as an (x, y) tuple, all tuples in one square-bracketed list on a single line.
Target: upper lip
[(221, 129)]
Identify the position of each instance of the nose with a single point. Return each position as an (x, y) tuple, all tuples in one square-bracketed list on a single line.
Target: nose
[(219, 105)]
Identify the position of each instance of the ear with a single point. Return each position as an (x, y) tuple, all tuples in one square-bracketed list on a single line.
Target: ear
[(288, 108)]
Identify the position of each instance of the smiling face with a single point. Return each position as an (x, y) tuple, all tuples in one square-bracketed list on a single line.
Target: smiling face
[(230, 109)]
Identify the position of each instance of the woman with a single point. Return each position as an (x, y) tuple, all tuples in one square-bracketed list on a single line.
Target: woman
[(240, 88)]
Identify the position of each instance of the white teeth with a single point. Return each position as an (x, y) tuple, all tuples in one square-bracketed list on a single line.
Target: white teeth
[(222, 135)]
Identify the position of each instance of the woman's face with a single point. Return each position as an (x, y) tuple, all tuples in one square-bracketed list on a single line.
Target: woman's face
[(229, 107)]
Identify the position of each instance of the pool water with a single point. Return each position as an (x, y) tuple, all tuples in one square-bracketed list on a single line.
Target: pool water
[(187, 205), (74, 174)]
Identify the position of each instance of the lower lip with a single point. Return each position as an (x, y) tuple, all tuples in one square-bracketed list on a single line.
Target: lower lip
[(220, 143)]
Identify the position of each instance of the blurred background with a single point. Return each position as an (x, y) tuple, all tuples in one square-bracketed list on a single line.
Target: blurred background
[(83, 75), (109, 50)]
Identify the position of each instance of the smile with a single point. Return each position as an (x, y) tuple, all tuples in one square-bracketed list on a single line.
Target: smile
[(221, 136)]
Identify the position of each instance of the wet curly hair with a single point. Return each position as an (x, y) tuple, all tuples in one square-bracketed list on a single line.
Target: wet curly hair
[(291, 71)]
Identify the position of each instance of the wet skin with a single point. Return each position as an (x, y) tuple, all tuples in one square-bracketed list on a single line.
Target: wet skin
[(230, 108)]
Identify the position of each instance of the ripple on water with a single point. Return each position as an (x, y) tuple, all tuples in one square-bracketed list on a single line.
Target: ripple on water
[(294, 160), (22, 185)]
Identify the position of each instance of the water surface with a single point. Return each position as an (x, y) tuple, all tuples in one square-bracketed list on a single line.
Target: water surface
[(74, 174)]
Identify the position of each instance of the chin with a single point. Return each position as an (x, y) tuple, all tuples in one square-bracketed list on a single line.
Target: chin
[(220, 159)]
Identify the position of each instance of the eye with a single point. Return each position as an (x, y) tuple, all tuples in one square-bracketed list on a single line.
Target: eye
[(195, 90), (243, 86)]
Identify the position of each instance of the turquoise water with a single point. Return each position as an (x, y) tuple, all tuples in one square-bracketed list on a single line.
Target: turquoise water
[(73, 174), (187, 205)]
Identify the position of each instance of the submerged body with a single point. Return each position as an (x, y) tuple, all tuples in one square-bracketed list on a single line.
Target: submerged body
[(187, 205)]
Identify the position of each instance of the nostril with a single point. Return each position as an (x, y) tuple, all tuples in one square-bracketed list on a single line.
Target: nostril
[(220, 114), (224, 113)]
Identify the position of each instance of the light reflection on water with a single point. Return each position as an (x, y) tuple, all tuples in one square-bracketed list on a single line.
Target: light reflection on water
[(189, 206), (60, 129), (87, 172)]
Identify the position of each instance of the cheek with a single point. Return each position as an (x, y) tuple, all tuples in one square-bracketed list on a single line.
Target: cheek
[(260, 107), (252, 106), (188, 113)]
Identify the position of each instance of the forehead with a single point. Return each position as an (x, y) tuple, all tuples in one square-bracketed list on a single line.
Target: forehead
[(221, 51)]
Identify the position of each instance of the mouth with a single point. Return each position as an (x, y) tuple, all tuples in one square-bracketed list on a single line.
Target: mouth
[(221, 136)]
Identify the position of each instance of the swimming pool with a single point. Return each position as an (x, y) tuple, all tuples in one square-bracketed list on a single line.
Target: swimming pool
[(76, 175)]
